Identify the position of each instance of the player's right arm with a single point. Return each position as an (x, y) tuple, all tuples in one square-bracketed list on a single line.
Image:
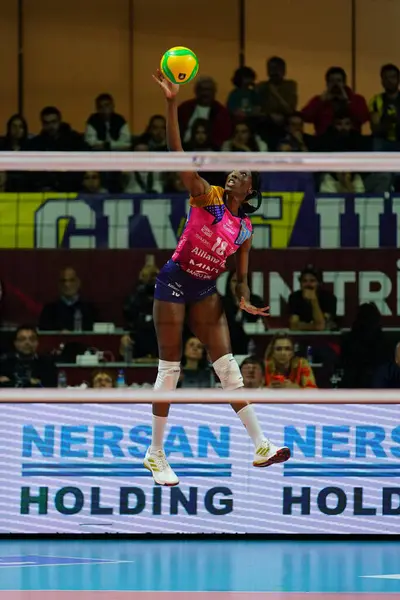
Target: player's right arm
[(196, 185)]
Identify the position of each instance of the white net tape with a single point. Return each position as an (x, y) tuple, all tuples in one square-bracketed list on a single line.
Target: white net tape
[(264, 396), (206, 161)]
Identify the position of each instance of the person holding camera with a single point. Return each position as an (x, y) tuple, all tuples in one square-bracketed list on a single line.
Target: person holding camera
[(338, 97)]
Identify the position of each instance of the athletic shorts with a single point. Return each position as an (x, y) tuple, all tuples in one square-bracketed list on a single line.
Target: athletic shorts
[(174, 285)]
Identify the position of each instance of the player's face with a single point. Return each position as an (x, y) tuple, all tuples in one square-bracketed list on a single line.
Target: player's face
[(239, 182), (283, 352)]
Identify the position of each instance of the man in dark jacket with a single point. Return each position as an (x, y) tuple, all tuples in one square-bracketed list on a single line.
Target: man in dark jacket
[(106, 129)]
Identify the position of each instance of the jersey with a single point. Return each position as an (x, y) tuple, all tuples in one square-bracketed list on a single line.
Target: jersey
[(211, 234)]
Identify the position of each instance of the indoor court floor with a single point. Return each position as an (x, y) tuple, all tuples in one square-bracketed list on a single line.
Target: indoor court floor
[(198, 570)]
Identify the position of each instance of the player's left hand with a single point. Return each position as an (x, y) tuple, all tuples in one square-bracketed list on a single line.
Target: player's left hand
[(253, 310)]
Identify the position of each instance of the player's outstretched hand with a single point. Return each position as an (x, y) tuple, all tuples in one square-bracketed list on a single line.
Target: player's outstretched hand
[(253, 310), (170, 89)]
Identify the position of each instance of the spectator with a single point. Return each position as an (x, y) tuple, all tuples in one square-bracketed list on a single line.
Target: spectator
[(174, 184), (253, 373), (195, 372), (4, 184), (142, 182), (205, 106), (244, 140), (312, 308), (16, 137), (385, 111), (106, 129), (285, 370), (200, 137), (388, 375), (342, 137), (24, 368), (338, 97), (295, 139), (237, 318), (155, 136), (69, 312), (244, 102), (102, 378), (342, 183), (92, 184), (138, 313), (363, 349)]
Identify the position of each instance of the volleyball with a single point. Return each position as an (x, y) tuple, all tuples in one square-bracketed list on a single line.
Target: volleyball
[(179, 65)]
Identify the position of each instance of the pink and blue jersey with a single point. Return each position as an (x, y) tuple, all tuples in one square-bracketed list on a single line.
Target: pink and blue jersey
[(211, 234)]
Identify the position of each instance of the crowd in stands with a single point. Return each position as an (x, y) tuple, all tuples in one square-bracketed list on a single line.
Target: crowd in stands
[(257, 117)]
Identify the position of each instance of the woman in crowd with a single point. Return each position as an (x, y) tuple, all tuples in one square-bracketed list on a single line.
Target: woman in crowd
[(195, 371), (244, 140), (285, 370)]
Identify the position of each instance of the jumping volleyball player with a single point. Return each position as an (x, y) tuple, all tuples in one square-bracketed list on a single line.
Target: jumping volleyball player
[(216, 227)]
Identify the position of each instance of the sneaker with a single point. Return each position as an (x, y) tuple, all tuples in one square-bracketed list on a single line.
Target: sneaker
[(267, 454), (156, 462)]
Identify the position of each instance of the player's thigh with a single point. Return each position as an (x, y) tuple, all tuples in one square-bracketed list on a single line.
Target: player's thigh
[(168, 322), (208, 322)]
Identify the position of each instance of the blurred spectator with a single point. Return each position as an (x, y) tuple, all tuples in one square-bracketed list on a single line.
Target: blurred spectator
[(244, 140), (285, 370), (69, 312), (312, 308), (388, 375), (24, 368), (385, 111), (295, 139), (363, 349), (138, 314), (253, 373), (200, 137), (102, 378), (195, 372), (237, 318), (142, 182), (342, 137), (244, 102), (4, 184), (17, 134), (205, 106), (342, 183), (155, 136), (92, 184), (337, 97), (106, 129), (174, 184)]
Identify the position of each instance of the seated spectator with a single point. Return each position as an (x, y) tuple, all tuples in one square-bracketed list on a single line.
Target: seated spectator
[(24, 367), (244, 102), (253, 373), (69, 312), (16, 137), (142, 182), (200, 137), (285, 370), (337, 97), (155, 136), (278, 100), (385, 111), (174, 184), (138, 314), (205, 106), (387, 376), (195, 372), (244, 140), (237, 318), (311, 308), (363, 349), (106, 129), (295, 139), (341, 136), (342, 183), (92, 184), (102, 378)]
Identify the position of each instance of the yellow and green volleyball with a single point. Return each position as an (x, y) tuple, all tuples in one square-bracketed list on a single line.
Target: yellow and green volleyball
[(179, 65)]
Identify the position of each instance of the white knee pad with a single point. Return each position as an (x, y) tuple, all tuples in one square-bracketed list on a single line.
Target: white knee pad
[(167, 376), (228, 372)]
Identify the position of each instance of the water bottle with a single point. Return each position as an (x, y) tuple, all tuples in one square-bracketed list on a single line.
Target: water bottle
[(128, 354), (309, 354), (251, 348), (121, 379), (62, 379), (77, 320)]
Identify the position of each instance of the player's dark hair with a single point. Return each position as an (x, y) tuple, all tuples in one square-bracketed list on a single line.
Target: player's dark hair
[(390, 67), (50, 110), (336, 71), (255, 197), (241, 73)]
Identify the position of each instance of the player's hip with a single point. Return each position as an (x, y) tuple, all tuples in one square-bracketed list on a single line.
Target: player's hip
[(175, 284)]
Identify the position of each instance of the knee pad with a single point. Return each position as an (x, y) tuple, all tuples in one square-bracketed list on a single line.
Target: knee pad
[(167, 376), (228, 372)]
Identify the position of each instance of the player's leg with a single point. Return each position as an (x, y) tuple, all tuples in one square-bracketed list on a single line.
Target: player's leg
[(168, 322), (208, 322)]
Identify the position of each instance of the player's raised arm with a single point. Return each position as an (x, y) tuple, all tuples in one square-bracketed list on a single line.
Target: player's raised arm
[(196, 185)]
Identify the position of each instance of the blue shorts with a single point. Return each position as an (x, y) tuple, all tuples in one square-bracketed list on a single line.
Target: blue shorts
[(174, 285)]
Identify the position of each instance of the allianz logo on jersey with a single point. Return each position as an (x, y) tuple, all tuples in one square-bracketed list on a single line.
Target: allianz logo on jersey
[(87, 450), (339, 451)]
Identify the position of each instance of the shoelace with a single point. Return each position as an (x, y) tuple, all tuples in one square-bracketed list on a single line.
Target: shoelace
[(161, 460)]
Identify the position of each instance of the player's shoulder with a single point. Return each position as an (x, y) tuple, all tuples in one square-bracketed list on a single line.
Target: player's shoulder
[(214, 196)]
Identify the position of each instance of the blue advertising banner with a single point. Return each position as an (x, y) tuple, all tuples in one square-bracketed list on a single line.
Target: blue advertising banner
[(292, 215)]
